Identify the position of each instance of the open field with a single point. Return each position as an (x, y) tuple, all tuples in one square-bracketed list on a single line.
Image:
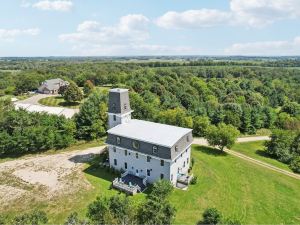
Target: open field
[(58, 101), (256, 150), (236, 187)]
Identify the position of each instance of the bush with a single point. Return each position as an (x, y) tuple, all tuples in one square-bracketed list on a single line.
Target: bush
[(35, 218), (194, 180), (211, 216), (295, 164)]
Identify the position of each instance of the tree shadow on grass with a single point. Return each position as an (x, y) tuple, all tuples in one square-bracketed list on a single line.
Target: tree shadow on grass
[(264, 154), (69, 104), (209, 150)]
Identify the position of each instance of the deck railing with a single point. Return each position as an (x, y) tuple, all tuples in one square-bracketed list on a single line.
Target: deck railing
[(117, 183)]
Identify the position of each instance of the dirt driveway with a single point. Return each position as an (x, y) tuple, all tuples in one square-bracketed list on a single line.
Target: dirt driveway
[(48, 175)]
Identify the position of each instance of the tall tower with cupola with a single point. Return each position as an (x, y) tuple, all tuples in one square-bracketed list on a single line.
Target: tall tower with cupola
[(119, 110)]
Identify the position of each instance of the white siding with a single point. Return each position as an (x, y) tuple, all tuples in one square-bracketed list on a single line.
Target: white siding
[(139, 164), (116, 119), (178, 164)]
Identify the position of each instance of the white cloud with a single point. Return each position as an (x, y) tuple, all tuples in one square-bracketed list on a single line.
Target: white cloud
[(57, 5), (127, 37), (193, 18), (252, 13), (259, 13), (131, 28), (10, 35), (291, 47)]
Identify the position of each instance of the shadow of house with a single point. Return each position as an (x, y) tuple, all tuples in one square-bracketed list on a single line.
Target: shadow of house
[(85, 158), (210, 151), (100, 172)]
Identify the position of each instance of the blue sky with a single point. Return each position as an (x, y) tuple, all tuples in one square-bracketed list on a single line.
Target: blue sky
[(144, 27)]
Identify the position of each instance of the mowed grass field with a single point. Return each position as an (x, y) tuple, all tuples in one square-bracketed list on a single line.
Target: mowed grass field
[(239, 189), (256, 150), (58, 101)]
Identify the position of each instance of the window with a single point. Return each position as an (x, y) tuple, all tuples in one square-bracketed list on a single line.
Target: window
[(135, 144), (171, 176), (161, 176), (148, 158), (115, 162), (176, 148), (148, 172), (125, 152), (184, 164), (181, 155), (118, 140), (125, 106), (114, 149), (186, 150), (187, 160), (137, 155), (188, 138), (115, 117), (154, 149), (162, 162), (125, 165)]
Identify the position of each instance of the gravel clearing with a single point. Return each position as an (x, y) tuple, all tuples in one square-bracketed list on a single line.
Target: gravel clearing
[(49, 174)]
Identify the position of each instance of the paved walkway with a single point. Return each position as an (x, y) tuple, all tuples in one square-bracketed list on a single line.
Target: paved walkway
[(203, 141), (32, 105)]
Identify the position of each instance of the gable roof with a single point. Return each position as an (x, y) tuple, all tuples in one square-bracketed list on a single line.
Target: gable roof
[(155, 133), (52, 84)]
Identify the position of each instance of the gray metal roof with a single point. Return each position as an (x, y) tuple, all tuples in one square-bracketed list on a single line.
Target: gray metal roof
[(155, 133), (53, 84)]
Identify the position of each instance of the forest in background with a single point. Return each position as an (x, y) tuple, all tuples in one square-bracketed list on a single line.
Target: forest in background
[(250, 95)]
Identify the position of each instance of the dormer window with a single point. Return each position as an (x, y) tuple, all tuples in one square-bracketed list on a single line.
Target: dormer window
[(154, 149), (176, 148), (118, 140), (135, 144)]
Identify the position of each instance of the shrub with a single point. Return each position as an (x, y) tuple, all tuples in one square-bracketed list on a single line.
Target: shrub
[(211, 216), (35, 218), (194, 180)]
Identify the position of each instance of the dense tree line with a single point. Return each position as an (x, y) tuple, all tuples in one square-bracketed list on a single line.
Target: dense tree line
[(22, 132), (285, 146), (196, 94)]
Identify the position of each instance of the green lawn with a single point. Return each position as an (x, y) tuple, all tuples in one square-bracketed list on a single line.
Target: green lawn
[(256, 150), (58, 101), (239, 189)]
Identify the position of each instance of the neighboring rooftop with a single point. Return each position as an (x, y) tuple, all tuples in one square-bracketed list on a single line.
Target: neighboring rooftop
[(53, 83), (155, 133)]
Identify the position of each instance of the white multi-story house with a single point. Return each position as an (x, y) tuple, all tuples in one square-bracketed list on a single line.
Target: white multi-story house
[(143, 149)]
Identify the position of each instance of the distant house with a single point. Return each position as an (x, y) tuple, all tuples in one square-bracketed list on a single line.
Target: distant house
[(52, 86)]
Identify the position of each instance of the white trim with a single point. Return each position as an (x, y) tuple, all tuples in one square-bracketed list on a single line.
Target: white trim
[(179, 155), (121, 114), (133, 151)]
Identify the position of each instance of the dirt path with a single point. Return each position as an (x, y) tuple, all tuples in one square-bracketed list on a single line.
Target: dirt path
[(203, 141), (260, 163), (47, 175)]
